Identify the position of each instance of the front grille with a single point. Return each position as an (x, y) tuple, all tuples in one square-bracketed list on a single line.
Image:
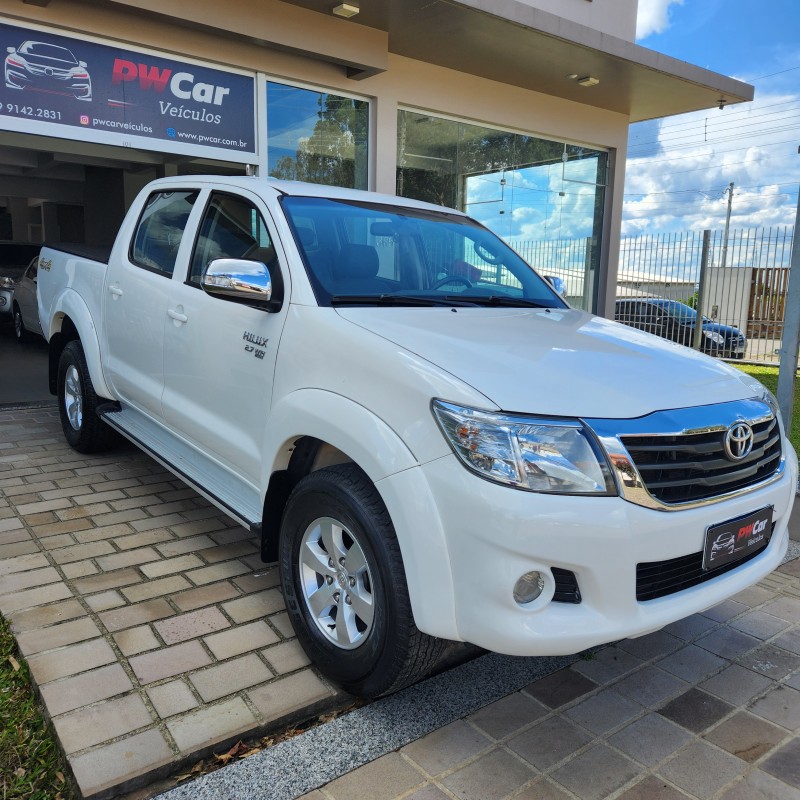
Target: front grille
[(692, 467), (36, 69), (567, 590), (660, 578)]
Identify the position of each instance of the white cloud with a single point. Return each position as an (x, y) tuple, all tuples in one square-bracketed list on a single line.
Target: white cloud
[(653, 16), (678, 168)]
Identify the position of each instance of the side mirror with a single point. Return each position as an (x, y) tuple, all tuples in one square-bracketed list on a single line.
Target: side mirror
[(11, 49), (240, 280), (82, 64), (557, 284)]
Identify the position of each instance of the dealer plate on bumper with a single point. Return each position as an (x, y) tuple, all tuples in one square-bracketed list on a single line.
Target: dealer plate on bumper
[(736, 538)]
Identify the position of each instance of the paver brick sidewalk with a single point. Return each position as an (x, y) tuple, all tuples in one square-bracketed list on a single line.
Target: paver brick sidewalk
[(707, 708), (152, 629)]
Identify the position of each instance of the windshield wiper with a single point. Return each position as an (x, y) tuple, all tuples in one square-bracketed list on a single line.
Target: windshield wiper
[(396, 300), (499, 300)]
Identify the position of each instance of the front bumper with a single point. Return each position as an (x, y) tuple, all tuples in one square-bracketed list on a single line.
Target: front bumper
[(495, 534), (79, 88)]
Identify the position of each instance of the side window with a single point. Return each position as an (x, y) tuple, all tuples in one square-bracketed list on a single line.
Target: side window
[(160, 229), (231, 228)]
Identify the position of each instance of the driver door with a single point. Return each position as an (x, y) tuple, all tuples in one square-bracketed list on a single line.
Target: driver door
[(219, 355)]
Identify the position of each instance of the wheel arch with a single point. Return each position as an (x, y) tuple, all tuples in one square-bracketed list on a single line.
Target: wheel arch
[(337, 430), (73, 320), (312, 428)]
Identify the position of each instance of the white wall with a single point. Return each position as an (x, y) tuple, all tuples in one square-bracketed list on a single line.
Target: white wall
[(617, 17), (727, 295)]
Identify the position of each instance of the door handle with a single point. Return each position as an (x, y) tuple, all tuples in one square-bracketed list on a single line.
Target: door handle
[(115, 290), (177, 316)]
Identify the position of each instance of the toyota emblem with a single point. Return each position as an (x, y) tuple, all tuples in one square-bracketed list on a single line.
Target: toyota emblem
[(738, 441)]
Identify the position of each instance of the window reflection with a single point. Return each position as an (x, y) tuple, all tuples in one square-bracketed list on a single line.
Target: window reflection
[(316, 136), (545, 198)]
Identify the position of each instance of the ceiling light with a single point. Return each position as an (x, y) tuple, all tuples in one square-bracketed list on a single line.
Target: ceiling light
[(588, 81), (346, 10), (572, 76)]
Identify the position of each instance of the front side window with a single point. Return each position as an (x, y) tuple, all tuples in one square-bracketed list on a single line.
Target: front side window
[(371, 253), (232, 227), (160, 230)]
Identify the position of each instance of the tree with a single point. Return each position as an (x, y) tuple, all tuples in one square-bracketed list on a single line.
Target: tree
[(336, 152)]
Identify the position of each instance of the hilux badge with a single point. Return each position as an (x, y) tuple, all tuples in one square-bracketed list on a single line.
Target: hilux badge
[(260, 341), (738, 441)]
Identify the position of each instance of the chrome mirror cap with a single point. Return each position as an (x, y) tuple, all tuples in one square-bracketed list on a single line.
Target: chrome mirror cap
[(238, 279)]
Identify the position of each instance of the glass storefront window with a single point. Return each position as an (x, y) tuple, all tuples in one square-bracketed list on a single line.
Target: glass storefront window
[(317, 137), (545, 198)]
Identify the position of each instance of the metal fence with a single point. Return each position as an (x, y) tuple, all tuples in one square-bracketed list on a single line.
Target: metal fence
[(737, 284)]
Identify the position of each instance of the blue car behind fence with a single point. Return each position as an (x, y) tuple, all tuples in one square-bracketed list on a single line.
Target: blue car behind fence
[(676, 321)]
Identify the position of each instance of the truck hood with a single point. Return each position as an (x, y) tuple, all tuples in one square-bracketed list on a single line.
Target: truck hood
[(560, 362)]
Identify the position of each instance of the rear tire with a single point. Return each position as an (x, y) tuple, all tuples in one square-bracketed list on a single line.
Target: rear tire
[(345, 586), (20, 331), (77, 404)]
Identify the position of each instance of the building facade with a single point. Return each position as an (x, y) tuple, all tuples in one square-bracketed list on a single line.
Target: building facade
[(515, 111)]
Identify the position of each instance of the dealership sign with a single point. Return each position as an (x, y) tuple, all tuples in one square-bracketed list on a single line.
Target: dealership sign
[(53, 84)]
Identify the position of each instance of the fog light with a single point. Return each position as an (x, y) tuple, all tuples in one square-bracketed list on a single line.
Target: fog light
[(528, 587)]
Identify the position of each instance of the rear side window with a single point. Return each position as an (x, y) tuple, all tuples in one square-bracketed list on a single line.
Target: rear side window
[(160, 230)]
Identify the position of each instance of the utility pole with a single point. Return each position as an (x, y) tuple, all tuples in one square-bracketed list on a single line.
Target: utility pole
[(729, 192), (791, 330)]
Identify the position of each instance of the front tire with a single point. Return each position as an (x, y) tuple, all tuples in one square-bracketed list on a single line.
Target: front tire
[(345, 588), (77, 403)]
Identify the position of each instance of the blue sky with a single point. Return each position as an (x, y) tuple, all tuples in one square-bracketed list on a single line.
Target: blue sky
[(679, 167)]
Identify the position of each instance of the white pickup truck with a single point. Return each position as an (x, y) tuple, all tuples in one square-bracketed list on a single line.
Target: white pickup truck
[(432, 444)]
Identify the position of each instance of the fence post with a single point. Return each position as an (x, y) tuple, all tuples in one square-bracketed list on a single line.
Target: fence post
[(701, 291), (791, 330), (589, 278)]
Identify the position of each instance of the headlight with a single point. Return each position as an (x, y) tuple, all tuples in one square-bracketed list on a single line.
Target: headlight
[(765, 395), (6, 283), (715, 337), (538, 454), (772, 402)]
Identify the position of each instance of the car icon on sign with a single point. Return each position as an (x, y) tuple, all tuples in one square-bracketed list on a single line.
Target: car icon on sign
[(43, 67), (724, 543)]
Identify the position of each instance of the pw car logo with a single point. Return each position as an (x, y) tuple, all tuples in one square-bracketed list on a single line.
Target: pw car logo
[(738, 441)]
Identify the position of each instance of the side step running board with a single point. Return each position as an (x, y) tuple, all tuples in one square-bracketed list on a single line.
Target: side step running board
[(237, 499)]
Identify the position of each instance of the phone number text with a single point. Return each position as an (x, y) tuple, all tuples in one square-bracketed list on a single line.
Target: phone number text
[(29, 111)]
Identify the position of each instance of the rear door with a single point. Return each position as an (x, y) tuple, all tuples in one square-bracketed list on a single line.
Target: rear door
[(219, 355), (137, 291)]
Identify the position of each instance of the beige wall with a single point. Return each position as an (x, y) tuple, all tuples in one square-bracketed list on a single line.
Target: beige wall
[(408, 83), (617, 17)]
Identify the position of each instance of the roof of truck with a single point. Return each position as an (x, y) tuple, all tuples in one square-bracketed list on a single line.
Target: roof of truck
[(300, 189)]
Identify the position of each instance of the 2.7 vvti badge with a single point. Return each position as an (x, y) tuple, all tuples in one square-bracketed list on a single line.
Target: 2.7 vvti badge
[(435, 446)]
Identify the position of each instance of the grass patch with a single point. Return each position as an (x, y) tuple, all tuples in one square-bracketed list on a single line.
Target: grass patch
[(769, 377), (31, 765)]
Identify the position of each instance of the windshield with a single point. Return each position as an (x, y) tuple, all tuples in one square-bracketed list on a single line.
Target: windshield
[(47, 51), (369, 254), (679, 311)]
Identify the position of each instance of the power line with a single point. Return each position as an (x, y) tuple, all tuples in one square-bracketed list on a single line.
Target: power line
[(648, 160), (719, 139), (702, 191), (728, 114), (708, 132), (684, 206), (773, 74)]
